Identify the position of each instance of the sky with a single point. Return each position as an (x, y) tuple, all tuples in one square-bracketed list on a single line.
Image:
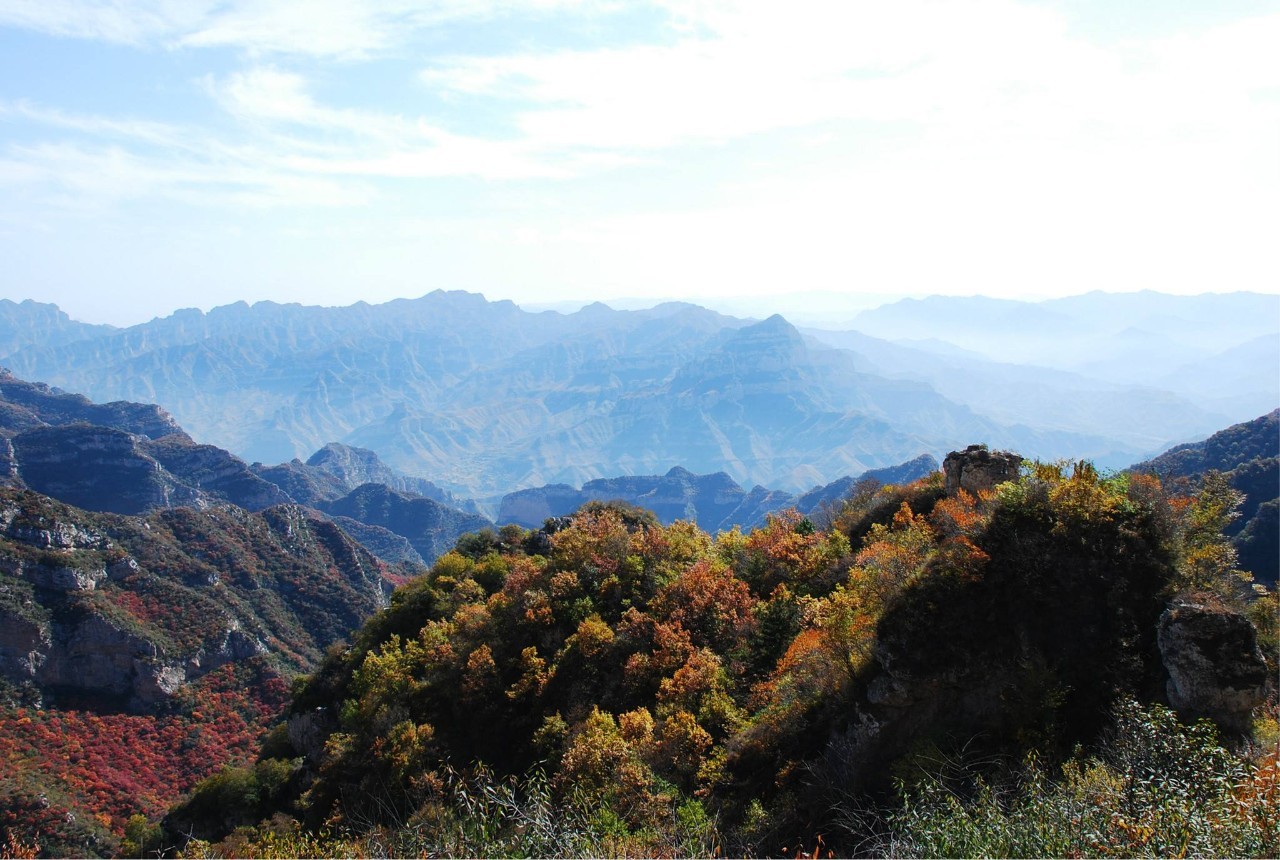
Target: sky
[(163, 154)]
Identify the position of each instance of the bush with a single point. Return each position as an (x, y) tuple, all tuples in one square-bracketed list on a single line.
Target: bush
[(1155, 788)]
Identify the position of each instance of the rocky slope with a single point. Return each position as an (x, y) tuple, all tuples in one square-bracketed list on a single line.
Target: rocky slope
[(139, 655), (130, 458), (129, 609)]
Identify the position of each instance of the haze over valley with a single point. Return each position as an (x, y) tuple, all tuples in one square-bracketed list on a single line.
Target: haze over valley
[(484, 398), (546, 428)]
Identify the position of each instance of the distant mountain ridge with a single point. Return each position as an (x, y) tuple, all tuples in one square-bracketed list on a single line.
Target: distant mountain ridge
[(121, 457), (714, 502), (1218, 351), (129, 458), (482, 397), (31, 323), (401, 519)]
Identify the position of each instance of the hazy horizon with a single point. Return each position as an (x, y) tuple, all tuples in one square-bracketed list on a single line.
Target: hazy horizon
[(803, 308), (157, 156)]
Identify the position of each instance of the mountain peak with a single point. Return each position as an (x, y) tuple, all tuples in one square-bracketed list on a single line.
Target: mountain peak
[(774, 334)]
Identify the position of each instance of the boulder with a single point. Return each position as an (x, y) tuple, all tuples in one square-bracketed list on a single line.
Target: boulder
[(975, 469), (1215, 667)]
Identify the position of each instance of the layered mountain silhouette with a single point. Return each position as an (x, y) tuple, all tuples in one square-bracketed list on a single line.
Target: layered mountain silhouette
[(1218, 352), (130, 458), (483, 397), (714, 502)]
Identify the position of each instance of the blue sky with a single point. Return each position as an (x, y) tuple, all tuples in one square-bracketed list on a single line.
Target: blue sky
[(158, 154)]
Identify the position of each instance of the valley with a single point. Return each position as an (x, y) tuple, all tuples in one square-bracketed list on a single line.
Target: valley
[(163, 591)]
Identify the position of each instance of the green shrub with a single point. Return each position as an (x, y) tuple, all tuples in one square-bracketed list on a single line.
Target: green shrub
[(1156, 788)]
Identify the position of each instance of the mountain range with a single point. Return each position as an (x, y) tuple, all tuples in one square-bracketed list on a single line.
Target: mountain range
[(131, 458), (157, 592), (484, 398), (714, 502)]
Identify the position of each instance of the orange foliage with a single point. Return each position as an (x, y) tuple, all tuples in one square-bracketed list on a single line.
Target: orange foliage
[(957, 515), (700, 674), (597, 541), (784, 550), (708, 601)]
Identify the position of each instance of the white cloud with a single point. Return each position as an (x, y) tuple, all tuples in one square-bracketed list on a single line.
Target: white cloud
[(748, 67), (345, 29), (120, 21), (364, 142), (89, 176), (974, 142), (141, 130)]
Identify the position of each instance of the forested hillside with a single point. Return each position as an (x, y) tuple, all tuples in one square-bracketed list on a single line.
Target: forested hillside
[(1248, 457), (609, 685)]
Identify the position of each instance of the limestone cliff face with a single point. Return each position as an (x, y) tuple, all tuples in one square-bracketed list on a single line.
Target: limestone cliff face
[(8, 463), (99, 468), (120, 457), (215, 473), (121, 612), (56, 641), (31, 404)]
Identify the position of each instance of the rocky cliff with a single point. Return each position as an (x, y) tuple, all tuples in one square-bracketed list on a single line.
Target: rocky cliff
[(1215, 667), (430, 528), (130, 458), (124, 458), (111, 611), (33, 404), (976, 469), (354, 467)]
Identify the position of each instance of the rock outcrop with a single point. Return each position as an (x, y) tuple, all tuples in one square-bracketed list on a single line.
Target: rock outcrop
[(119, 612), (975, 469), (430, 527), (216, 472), (1215, 667), (99, 469)]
